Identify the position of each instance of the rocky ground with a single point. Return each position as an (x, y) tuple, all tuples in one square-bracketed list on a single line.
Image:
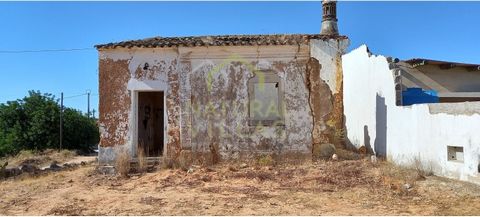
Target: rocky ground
[(28, 163), (350, 187)]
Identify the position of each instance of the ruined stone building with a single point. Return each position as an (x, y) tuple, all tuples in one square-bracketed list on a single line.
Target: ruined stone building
[(222, 97), (227, 97)]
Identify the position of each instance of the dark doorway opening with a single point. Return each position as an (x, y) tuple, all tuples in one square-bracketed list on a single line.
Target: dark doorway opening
[(151, 123)]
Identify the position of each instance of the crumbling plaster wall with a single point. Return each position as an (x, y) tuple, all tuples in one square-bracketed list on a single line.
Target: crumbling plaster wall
[(114, 107), (207, 97), (122, 73), (216, 95), (421, 131), (326, 84)]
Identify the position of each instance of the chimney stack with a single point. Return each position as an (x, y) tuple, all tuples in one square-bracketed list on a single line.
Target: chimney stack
[(329, 18)]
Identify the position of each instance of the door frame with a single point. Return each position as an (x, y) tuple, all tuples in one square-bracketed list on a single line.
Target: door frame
[(135, 120)]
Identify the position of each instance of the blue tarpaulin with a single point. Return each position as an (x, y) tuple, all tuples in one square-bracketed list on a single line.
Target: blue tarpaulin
[(418, 96)]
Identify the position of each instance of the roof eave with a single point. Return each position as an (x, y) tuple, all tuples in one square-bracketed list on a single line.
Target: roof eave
[(225, 40)]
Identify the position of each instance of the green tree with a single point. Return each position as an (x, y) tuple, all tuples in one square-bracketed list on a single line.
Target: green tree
[(12, 125), (33, 123), (42, 121), (80, 132)]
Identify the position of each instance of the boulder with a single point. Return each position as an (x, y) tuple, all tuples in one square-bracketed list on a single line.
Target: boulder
[(323, 151), (334, 157), (13, 172), (70, 165), (362, 150), (29, 168), (106, 170), (55, 167), (407, 186), (10, 172)]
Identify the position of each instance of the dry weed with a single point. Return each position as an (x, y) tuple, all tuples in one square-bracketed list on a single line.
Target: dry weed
[(40, 158), (184, 160), (169, 163), (344, 154), (68, 210), (346, 174), (396, 178), (265, 160), (252, 174), (142, 163), (421, 169), (149, 200), (122, 161)]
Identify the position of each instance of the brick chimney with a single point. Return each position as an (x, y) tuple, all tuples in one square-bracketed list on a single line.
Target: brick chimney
[(329, 18)]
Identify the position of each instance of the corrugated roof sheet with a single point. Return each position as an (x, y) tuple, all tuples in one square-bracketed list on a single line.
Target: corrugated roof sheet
[(221, 40), (421, 61)]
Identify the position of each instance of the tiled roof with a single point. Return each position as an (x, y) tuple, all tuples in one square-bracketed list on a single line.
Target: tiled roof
[(221, 40)]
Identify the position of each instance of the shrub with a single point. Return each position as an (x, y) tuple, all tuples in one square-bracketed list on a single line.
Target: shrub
[(32, 123), (122, 161), (168, 163), (266, 160), (80, 132), (142, 163), (421, 169)]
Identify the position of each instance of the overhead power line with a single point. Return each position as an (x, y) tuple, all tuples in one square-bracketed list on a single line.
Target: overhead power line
[(45, 51), (68, 97), (79, 95)]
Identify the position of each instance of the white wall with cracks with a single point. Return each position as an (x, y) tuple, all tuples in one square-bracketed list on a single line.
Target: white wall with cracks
[(407, 133)]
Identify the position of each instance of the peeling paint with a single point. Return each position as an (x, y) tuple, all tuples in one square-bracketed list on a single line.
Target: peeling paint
[(207, 98), (115, 104)]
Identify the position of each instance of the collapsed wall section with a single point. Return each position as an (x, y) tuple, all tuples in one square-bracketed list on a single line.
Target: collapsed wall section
[(325, 78), (424, 134)]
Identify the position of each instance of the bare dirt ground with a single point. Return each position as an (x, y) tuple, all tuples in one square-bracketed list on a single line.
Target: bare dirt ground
[(354, 187)]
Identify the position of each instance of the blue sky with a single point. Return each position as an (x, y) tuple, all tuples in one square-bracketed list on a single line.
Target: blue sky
[(436, 30)]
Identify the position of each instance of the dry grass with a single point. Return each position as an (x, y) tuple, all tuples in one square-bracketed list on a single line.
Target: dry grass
[(183, 162), (167, 163), (353, 187), (348, 155), (122, 161), (142, 163), (395, 178), (421, 169), (266, 160), (39, 158), (251, 174)]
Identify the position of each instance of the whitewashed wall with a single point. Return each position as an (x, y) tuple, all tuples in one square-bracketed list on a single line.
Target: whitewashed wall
[(406, 133)]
